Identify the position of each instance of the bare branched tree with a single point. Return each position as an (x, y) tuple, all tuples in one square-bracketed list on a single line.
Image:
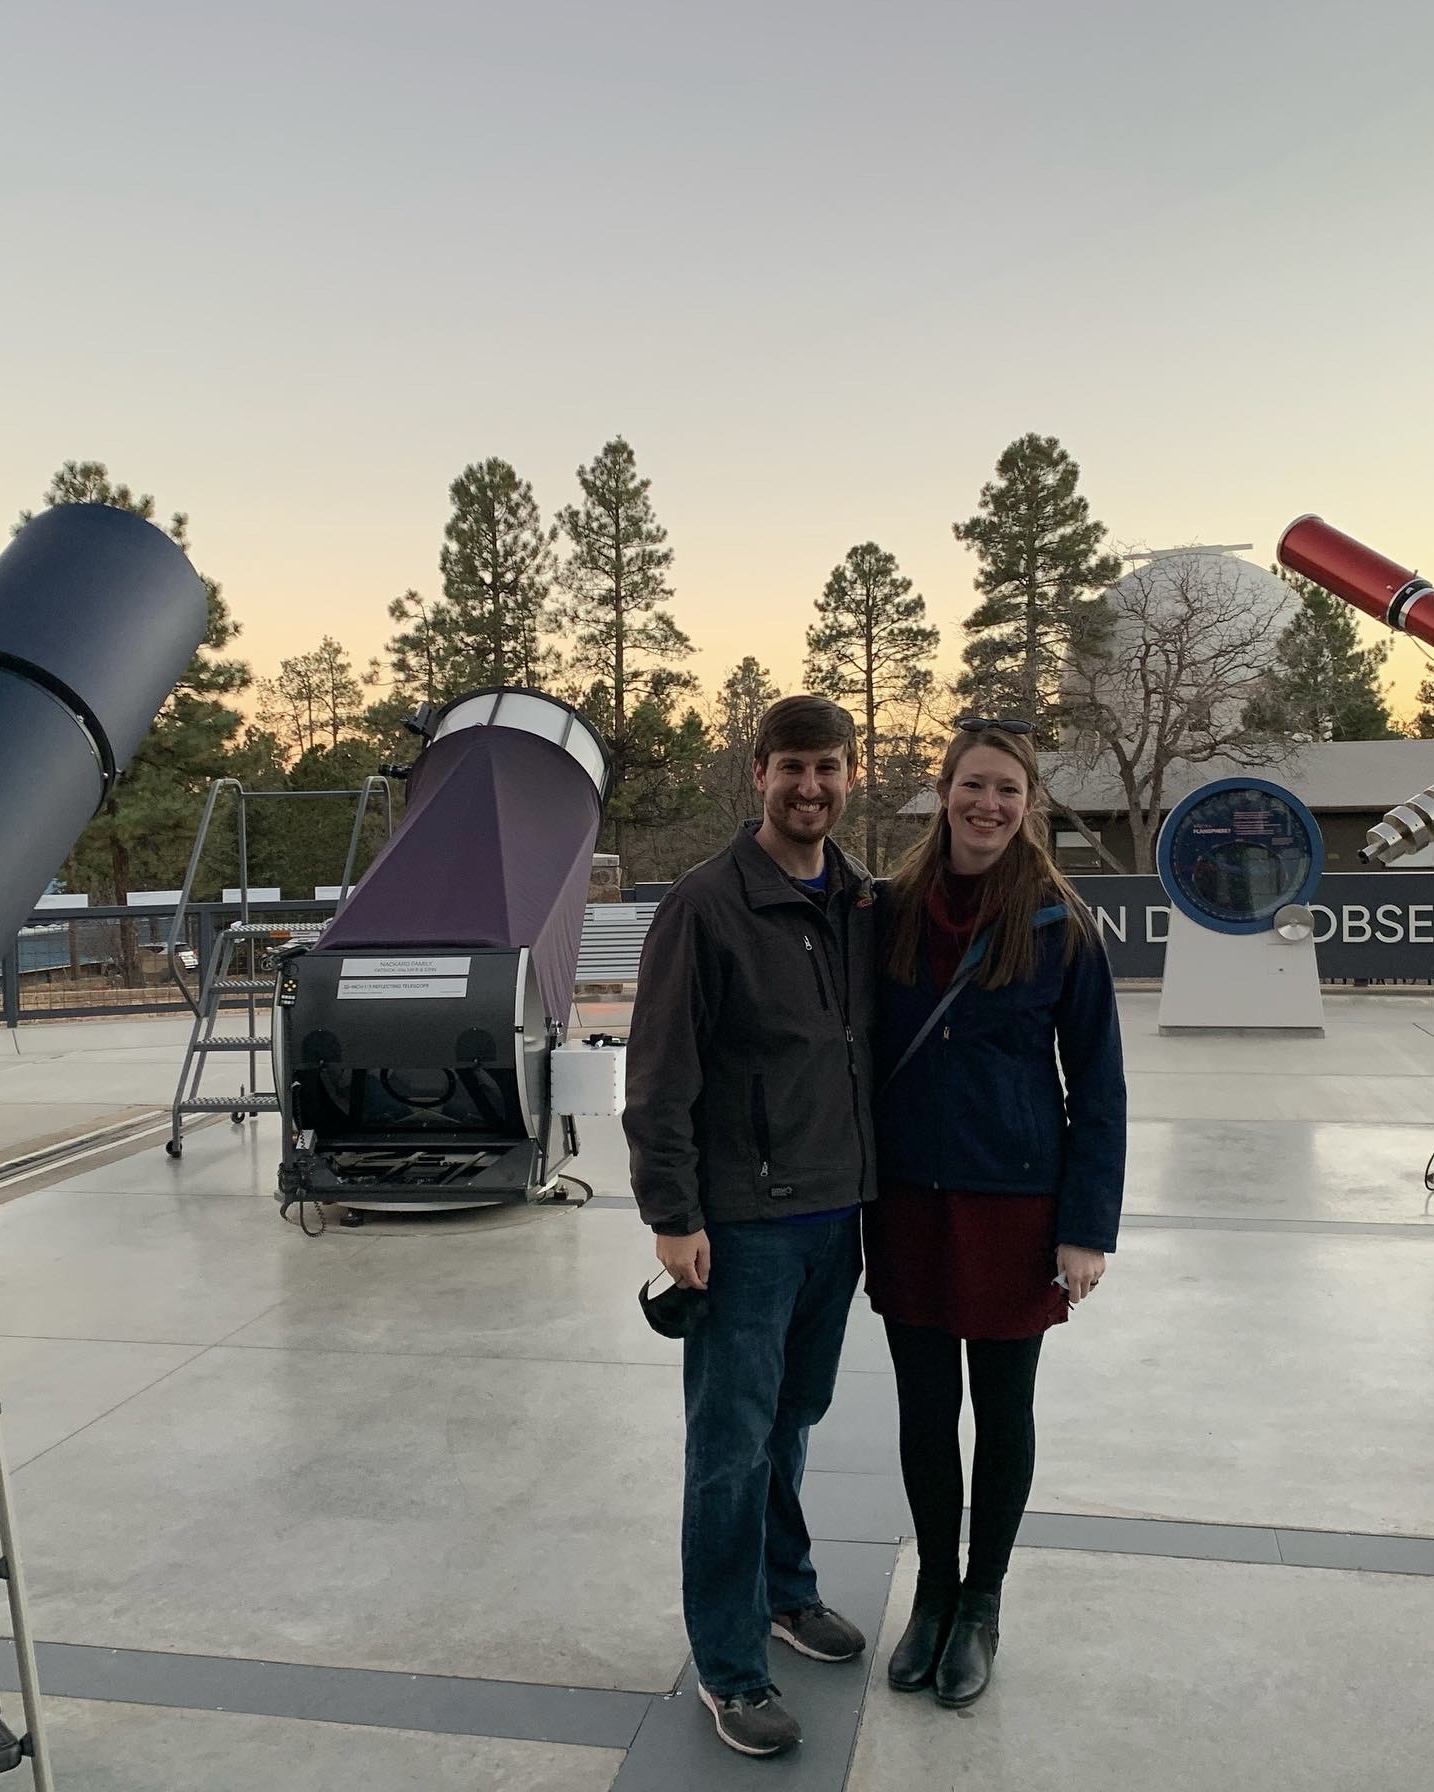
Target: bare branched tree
[(1162, 680)]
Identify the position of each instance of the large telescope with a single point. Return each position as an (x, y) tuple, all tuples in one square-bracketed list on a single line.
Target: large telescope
[(100, 612), (99, 615), (420, 1050), (1394, 595)]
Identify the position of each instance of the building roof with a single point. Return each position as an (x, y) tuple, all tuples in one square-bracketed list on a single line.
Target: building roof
[(1365, 776)]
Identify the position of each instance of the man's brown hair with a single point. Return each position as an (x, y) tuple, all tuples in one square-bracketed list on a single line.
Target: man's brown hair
[(802, 724)]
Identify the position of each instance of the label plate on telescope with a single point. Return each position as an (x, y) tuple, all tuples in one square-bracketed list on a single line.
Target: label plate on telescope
[(402, 989), (407, 966)]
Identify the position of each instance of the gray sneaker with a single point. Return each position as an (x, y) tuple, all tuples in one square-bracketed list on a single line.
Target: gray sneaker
[(754, 1723), (819, 1632)]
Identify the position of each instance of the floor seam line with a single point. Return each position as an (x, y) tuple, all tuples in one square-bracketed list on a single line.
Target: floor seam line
[(109, 1411)]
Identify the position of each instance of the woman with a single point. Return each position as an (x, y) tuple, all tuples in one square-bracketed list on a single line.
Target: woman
[(1000, 1193)]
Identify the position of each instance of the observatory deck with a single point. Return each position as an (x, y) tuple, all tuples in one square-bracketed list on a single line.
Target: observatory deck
[(398, 1507)]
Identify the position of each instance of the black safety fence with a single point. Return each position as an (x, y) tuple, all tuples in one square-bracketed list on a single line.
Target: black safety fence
[(78, 963), (1371, 928)]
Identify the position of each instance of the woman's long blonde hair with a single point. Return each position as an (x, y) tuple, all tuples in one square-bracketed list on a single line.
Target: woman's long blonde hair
[(1023, 879)]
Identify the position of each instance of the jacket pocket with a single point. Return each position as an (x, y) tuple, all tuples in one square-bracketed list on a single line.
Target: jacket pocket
[(761, 1130)]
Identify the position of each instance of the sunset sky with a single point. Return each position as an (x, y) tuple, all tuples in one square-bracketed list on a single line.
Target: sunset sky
[(290, 266)]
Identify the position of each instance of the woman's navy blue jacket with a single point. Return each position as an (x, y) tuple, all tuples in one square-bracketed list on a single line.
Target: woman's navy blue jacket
[(980, 1106)]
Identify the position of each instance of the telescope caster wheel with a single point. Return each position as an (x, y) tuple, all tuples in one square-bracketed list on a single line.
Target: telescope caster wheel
[(173, 1148), (351, 1217)]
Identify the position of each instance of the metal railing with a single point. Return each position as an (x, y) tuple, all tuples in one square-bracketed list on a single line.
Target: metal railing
[(248, 909), (80, 963)]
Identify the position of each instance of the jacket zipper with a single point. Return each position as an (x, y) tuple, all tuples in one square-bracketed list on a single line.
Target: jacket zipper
[(817, 972), (850, 1046), (850, 1050)]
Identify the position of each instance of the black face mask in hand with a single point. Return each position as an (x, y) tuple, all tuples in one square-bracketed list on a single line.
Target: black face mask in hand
[(676, 1312)]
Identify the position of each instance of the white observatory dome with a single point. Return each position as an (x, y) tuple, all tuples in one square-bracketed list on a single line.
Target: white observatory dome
[(1169, 577), (1205, 599)]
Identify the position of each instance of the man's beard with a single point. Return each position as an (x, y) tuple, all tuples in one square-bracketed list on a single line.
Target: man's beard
[(789, 822)]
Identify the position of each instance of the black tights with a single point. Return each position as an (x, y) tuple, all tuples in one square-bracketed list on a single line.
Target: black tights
[(928, 1392)]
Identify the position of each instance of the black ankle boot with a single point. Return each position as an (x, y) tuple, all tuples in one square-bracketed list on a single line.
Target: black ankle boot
[(963, 1671), (913, 1660)]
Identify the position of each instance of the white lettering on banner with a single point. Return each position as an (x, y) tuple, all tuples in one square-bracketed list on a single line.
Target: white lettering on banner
[(1331, 919), (1104, 920), (1152, 938), (402, 989), (405, 967), (1390, 929), (1351, 937), (1419, 925)]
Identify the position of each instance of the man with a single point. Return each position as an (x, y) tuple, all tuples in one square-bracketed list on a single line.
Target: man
[(748, 1093)]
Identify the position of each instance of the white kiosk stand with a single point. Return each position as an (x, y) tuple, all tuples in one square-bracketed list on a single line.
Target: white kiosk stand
[(1239, 860)]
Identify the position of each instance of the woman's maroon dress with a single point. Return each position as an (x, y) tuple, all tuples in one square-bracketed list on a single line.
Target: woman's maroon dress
[(976, 1266)]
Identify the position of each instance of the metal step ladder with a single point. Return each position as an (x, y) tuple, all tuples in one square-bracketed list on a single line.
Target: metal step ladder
[(243, 945), (16, 1750), (243, 941)]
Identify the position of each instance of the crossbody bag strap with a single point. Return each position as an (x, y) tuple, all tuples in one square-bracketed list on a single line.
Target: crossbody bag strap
[(965, 971)]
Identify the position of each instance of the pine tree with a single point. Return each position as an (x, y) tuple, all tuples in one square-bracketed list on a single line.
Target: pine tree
[(315, 701), (498, 566), (1040, 561), (620, 635), (869, 642), (746, 692), (1324, 684), (1424, 716), (421, 655), (616, 581)]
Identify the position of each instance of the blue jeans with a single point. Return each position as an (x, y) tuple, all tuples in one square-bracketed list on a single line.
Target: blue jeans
[(757, 1375)]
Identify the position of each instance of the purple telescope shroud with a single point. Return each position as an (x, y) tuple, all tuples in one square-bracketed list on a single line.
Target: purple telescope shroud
[(494, 849)]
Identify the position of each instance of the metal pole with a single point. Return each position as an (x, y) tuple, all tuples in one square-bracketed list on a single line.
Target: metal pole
[(10, 984), (176, 925), (35, 1744)]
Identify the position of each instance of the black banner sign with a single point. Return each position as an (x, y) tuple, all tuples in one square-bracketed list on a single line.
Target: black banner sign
[(1377, 924)]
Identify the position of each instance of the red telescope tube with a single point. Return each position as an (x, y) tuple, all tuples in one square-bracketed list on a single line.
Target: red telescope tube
[(1391, 594)]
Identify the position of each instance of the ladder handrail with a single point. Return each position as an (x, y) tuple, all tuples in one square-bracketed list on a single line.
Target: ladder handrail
[(370, 784), (176, 925)]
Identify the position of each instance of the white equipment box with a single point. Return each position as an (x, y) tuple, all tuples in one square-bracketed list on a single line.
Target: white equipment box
[(589, 1079)]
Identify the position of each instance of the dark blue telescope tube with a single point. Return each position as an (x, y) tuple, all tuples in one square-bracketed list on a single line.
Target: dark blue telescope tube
[(100, 612)]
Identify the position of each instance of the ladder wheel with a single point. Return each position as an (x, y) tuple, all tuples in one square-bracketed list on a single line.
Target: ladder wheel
[(173, 1147), (237, 1116)]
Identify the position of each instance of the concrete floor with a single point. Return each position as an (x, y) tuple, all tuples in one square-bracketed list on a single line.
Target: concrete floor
[(142, 1748), (403, 1500), (1115, 1671)]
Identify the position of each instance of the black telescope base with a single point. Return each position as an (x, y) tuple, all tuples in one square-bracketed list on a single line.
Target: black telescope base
[(389, 1177)]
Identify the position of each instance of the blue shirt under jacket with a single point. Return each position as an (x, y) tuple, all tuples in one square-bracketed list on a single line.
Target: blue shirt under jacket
[(980, 1107)]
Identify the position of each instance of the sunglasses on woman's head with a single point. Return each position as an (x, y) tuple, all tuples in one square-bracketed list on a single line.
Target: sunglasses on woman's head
[(1007, 724)]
